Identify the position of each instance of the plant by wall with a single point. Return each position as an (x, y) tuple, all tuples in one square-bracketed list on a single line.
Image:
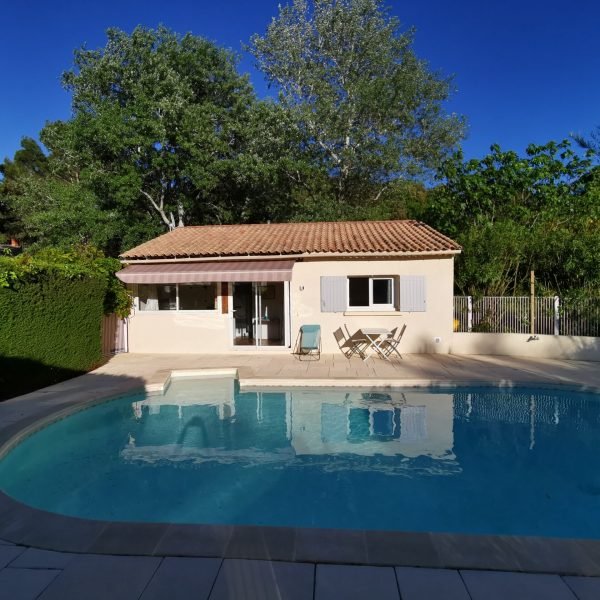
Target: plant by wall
[(52, 306)]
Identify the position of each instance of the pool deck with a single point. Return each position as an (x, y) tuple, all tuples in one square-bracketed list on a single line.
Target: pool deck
[(45, 556)]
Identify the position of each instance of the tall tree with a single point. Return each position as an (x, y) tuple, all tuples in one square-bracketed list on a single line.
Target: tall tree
[(365, 107), (156, 117)]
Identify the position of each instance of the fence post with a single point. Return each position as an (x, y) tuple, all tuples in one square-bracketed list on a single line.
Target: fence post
[(469, 313), (556, 315)]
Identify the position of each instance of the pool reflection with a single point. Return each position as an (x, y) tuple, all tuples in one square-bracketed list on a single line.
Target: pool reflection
[(213, 421)]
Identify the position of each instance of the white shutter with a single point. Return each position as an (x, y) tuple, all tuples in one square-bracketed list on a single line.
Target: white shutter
[(413, 293), (334, 294)]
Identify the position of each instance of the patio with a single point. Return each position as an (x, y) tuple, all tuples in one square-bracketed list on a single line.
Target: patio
[(413, 369), (31, 574)]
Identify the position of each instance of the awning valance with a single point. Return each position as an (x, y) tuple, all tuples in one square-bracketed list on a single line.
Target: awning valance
[(200, 272)]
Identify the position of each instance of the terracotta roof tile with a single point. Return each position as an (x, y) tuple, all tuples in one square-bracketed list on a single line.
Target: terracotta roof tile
[(364, 237)]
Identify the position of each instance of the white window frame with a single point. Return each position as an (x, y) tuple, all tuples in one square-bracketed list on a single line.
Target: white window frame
[(372, 307), (210, 311)]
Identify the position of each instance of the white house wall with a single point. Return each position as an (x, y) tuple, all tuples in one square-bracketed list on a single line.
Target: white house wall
[(422, 327), (166, 332), (171, 332)]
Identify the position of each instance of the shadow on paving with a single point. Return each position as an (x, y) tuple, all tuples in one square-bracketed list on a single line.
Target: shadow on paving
[(23, 375)]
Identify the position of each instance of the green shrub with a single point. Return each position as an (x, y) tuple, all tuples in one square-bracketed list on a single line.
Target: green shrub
[(51, 310)]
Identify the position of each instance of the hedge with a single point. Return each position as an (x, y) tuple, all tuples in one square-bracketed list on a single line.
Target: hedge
[(51, 310)]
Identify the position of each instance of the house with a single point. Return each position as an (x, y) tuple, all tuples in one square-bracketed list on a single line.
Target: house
[(226, 288)]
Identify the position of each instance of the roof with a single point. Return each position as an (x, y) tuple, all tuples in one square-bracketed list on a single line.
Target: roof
[(281, 239)]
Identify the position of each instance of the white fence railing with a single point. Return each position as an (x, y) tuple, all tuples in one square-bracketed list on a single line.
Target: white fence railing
[(511, 314)]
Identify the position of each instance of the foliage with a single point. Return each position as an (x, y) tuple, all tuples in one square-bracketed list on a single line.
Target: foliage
[(516, 213), (164, 132), (591, 143), (50, 328), (83, 263), (364, 107), (29, 162)]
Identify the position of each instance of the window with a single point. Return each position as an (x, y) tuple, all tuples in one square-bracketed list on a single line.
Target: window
[(153, 297), (202, 296), (371, 293), (157, 297)]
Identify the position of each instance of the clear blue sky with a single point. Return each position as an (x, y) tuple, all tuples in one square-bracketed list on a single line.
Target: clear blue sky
[(526, 71)]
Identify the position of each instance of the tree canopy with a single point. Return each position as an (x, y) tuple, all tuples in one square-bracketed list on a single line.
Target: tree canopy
[(516, 213), (166, 132), (364, 106)]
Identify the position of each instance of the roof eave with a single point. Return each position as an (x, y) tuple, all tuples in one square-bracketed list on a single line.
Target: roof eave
[(231, 257)]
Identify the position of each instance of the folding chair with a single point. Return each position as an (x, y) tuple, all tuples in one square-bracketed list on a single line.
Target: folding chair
[(345, 343), (357, 340), (390, 344)]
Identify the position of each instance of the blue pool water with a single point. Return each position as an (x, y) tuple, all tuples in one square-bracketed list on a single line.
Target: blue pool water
[(469, 460)]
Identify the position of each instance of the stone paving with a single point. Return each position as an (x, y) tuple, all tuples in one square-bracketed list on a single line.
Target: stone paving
[(30, 573)]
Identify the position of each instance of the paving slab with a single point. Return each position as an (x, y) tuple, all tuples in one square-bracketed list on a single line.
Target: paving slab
[(94, 577), (585, 588), (263, 580), (42, 529), (24, 584), (9, 553), (269, 543), (128, 538), (385, 548), (428, 584), (183, 579), (476, 551), (34, 558), (498, 585), (331, 545), (552, 555), (205, 541), (346, 582)]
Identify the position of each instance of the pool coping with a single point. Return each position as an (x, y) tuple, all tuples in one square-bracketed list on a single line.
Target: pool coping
[(24, 525)]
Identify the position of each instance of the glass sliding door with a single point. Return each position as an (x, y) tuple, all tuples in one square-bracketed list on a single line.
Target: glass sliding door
[(258, 314)]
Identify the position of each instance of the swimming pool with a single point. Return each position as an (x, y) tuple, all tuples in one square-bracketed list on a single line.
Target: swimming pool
[(493, 461)]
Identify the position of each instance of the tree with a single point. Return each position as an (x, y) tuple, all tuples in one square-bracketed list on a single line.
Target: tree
[(29, 162), (589, 143), (515, 213), (364, 107), (164, 132), (156, 120), (164, 126)]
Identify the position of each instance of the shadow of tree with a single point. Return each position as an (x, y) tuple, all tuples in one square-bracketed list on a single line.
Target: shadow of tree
[(23, 375)]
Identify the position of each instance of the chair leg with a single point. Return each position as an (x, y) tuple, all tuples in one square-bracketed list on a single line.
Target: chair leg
[(395, 349)]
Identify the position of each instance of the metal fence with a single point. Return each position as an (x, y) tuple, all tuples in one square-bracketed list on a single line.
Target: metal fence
[(511, 314)]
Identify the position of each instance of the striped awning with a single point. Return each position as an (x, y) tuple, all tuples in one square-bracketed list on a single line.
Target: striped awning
[(199, 272)]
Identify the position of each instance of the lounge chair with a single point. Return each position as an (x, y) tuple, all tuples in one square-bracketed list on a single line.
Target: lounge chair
[(309, 341), (391, 343)]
